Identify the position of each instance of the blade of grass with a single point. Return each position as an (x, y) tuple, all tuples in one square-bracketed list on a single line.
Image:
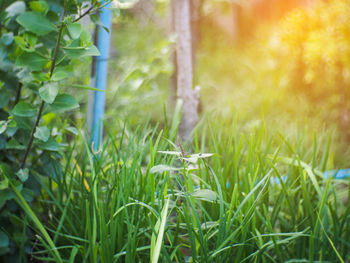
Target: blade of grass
[(160, 227)]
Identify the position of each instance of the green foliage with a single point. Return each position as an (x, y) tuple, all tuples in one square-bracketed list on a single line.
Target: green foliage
[(39, 42), (318, 40), (140, 70), (315, 46)]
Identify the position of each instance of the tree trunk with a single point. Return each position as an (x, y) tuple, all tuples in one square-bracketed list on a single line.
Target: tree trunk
[(189, 97), (195, 10)]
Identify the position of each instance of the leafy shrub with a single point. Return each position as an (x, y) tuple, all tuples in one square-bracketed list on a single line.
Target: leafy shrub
[(316, 42), (39, 42)]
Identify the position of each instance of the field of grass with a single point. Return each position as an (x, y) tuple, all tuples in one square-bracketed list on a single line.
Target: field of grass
[(239, 194)]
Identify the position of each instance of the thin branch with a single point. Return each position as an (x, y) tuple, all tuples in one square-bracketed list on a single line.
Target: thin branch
[(107, 3), (18, 94), (84, 14), (54, 57), (90, 9), (32, 134)]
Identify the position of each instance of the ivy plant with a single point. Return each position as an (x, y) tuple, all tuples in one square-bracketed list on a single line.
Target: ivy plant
[(39, 42)]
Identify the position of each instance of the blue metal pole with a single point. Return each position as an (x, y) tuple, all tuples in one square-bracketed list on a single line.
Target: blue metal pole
[(103, 43)]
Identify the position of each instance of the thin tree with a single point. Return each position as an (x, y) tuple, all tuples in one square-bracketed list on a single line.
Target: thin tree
[(185, 91)]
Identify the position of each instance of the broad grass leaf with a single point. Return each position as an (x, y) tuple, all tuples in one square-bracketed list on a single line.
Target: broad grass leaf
[(193, 158), (171, 153), (74, 252), (205, 195), (156, 244), (163, 168)]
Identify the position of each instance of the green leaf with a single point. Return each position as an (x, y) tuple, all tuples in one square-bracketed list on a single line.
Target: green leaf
[(74, 30), (5, 195), (78, 52), (171, 153), (75, 52), (40, 76), (4, 184), (6, 170), (22, 202), (162, 168), (39, 6), (4, 98), (3, 126), (35, 22), (85, 38), (205, 194), (92, 51), (28, 194), (4, 240), (59, 75), (73, 253), (30, 38), (24, 123), (23, 44), (49, 92), (14, 145), (309, 170), (50, 145), (78, 86), (156, 244), (193, 158), (64, 102), (12, 123), (7, 38), (24, 109), (15, 8), (32, 61), (3, 143), (23, 174), (72, 130), (42, 133)]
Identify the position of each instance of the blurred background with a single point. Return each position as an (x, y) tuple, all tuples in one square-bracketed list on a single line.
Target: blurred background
[(285, 63)]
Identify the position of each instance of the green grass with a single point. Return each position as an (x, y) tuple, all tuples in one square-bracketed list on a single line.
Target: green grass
[(140, 200)]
